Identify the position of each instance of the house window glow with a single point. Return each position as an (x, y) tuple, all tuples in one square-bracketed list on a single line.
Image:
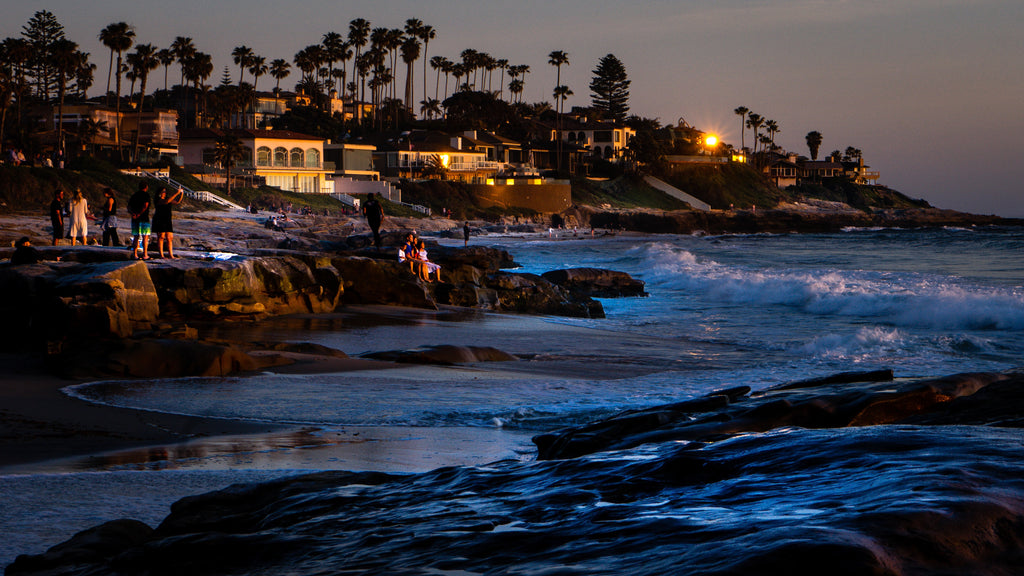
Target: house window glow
[(510, 182), (490, 181), (445, 160)]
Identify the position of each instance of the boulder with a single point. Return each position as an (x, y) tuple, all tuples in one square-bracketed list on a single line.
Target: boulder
[(596, 282), (372, 281), (530, 293), (444, 355), (156, 358), (53, 301), (255, 286)]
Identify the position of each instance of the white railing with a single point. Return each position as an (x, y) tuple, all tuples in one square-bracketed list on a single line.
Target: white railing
[(201, 195)]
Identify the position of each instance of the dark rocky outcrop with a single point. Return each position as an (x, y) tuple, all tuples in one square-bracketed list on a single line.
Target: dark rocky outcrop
[(444, 355), (596, 282), (822, 403)]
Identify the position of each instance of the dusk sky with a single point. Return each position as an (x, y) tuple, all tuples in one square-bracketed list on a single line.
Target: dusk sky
[(932, 91)]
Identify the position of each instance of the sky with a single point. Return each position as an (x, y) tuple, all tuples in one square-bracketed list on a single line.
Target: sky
[(931, 91)]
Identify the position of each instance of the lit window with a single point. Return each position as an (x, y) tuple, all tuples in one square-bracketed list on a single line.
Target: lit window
[(312, 158), (280, 156), (264, 156), (296, 158)]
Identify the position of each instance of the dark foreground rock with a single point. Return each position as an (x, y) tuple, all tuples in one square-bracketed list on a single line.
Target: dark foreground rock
[(444, 355), (888, 499), (846, 400)]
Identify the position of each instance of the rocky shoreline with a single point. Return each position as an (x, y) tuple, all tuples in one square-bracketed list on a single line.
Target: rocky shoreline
[(79, 300)]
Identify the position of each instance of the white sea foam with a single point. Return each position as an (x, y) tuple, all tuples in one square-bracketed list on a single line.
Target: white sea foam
[(900, 299)]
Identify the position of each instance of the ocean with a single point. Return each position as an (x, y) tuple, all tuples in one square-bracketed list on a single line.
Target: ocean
[(722, 311)]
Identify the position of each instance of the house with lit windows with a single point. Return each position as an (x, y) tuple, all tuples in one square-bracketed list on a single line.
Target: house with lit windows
[(280, 158)]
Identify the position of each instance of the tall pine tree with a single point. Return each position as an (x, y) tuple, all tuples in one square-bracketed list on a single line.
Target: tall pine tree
[(610, 88)]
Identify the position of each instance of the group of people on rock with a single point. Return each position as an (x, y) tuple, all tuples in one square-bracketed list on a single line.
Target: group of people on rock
[(139, 206), (414, 251)]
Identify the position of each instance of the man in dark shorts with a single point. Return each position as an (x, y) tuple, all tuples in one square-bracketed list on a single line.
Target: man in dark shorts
[(138, 208), (374, 213), (57, 215)]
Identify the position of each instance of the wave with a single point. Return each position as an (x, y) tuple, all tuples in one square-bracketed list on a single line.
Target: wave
[(899, 299)]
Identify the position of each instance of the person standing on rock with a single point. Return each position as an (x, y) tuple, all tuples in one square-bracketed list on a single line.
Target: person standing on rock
[(79, 218), (162, 226), (57, 215), (465, 234), (109, 223), (138, 208), (374, 213)]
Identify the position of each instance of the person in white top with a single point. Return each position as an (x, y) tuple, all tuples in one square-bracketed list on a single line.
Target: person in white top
[(79, 219)]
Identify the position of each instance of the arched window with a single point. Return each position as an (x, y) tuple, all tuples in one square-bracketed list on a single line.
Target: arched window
[(296, 157), (597, 151), (264, 156), (608, 153), (280, 156), (312, 158), (572, 136)]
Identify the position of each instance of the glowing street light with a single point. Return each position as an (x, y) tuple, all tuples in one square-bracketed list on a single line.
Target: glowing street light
[(711, 141)]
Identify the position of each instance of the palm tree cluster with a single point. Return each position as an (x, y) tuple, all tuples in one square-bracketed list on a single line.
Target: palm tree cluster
[(766, 140)]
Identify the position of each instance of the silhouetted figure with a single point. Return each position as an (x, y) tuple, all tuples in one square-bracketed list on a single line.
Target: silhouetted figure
[(374, 213), (109, 222), (57, 215)]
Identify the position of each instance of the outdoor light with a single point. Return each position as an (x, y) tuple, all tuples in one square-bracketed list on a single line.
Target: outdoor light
[(711, 141)]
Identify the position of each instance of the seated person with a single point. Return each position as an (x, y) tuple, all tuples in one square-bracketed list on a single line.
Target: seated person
[(426, 266), (24, 253), (407, 253)]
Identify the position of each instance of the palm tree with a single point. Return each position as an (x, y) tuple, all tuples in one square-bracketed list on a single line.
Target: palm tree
[(754, 122), (183, 49), (557, 58), (64, 60), (561, 93), (144, 61), (119, 37), (84, 73), (515, 88), (427, 33), (279, 69), (198, 68), (166, 58), (241, 56), (502, 65), (258, 67), (742, 113), (410, 53), (88, 130), (333, 45), (227, 150), (358, 35), (773, 128), (430, 107), (814, 140)]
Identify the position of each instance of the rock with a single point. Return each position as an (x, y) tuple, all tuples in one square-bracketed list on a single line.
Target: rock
[(57, 300), (94, 545), (255, 286), (444, 355), (155, 358), (843, 402), (371, 281), (530, 293), (596, 282)]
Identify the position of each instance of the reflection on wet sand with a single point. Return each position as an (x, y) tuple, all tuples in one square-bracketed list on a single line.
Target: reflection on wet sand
[(385, 449)]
